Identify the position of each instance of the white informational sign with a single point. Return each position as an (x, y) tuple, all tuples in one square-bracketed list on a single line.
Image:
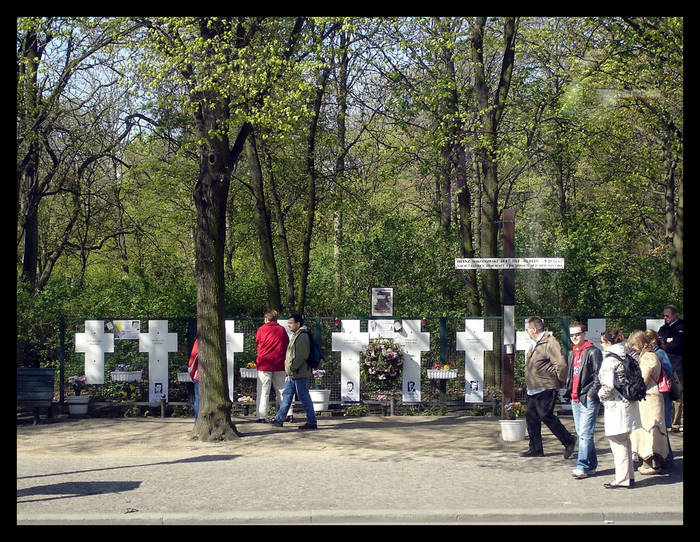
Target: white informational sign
[(595, 328), (234, 343), (380, 328), (655, 324), (509, 263), (349, 342), (474, 341), (125, 329), (158, 343), (413, 341), (94, 343), (382, 301)]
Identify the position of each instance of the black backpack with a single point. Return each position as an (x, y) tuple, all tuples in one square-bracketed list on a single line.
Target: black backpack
[(315, 356), (633, 387)]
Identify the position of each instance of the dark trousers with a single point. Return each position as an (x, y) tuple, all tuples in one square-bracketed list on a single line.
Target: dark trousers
[(540, 409)]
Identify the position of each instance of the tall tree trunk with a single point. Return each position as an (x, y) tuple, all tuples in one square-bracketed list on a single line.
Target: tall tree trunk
[(464, 206), (216, 162), (262, 220), (312, 176), (490, 116), (281, 228)]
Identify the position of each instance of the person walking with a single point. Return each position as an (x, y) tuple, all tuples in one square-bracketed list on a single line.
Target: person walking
[(654, 340), (545, 373), (671, 334), (582, 388), (620, 416), (193, 369), (649, 441), (298, 374), (272, 341)]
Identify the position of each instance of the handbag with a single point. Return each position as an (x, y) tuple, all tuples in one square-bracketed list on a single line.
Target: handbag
[(664, 382)]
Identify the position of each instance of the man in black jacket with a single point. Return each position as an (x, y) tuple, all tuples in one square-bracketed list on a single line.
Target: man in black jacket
[(671, 339), (582, 388)]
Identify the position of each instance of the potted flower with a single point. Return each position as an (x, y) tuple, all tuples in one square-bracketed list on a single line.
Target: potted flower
[(249, 371), (183, 375), (245, 401), (77, 404), (123, 374), (513, 425), (439, 371), (319, 397)]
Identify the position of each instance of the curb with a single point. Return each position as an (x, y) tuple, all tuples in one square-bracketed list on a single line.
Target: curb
[(518, 516)]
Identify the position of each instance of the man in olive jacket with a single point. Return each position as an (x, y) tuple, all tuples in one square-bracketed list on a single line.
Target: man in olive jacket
[(545, 373), (298, 374)]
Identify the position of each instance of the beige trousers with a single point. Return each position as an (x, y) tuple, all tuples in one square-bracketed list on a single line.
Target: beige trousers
[(621, 448), (267, 379)]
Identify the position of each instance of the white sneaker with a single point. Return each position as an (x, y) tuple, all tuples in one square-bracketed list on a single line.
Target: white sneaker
[(578, 473)]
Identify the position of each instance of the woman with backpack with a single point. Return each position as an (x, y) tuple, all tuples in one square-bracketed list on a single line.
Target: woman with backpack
[(621, 416), (649, 442)]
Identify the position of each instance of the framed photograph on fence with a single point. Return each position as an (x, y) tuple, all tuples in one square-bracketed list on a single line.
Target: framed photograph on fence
[(382, 302)]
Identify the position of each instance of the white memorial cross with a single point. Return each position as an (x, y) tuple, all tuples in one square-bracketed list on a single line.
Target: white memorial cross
[(474, 341), (234, 343), (158, 343), (349, 342), (94, 343), (413, 341)]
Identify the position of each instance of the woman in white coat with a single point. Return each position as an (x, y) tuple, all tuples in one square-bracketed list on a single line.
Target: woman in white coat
[(621, 416)]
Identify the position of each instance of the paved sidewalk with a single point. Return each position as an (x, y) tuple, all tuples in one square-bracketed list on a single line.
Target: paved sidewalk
[(396, 470)]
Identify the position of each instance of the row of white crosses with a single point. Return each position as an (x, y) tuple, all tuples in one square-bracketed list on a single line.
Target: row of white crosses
[(474, 341), (158, 343)]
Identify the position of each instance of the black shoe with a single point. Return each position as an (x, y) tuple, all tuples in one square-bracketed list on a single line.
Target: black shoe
[(275, 421), (569, 448), (262, 420), (307, 426), (531, 453), (618, 486)]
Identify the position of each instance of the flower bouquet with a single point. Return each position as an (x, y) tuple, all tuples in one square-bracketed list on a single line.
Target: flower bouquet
[(245, 401), (318, 377), (514, 410), (381, 361), (77, 382)]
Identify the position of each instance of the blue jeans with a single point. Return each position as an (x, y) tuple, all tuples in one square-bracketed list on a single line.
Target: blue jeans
[(301, 386), (585, 418), (196, 399)]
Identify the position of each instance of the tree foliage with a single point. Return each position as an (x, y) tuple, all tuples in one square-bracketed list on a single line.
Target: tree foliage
[(382, 149)]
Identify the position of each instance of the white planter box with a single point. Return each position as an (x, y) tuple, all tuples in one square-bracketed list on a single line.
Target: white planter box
[(320, 399), (513, 430), (442, 373), (78, 404), (126, 376), (249, 373), (183, 377)]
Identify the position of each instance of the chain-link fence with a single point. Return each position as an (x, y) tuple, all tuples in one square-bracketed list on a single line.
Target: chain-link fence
[(443, 349)]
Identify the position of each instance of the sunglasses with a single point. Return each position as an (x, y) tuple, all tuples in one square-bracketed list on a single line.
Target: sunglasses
[(575, 335)]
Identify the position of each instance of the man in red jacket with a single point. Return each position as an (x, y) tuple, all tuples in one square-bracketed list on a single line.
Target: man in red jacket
[(193, 369), (272, 341)]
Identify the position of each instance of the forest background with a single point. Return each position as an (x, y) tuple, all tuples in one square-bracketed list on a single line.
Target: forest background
[(368, 152)]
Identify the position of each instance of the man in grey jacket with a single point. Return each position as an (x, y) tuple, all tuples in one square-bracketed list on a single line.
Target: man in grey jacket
[(545, 373), (298, 373)]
